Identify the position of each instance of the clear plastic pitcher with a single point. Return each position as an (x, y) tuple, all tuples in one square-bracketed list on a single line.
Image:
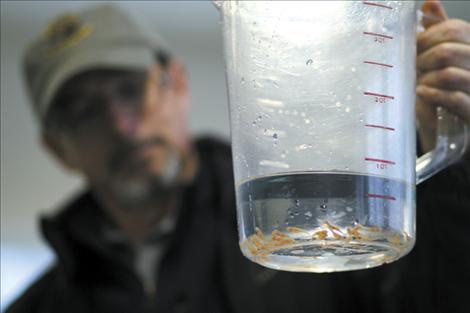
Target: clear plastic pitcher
[(322, 109)]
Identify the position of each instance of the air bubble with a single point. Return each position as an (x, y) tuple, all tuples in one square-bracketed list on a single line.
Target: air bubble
[(297, 203), (338, 104), (308, 214), (309, 62), (275, 136), (307, 121), (353, 69)]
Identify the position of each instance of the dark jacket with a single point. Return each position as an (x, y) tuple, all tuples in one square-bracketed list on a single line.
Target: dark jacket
[(204, 270)]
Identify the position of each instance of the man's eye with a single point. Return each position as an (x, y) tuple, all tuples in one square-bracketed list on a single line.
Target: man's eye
[(130, 90), (82, 108)]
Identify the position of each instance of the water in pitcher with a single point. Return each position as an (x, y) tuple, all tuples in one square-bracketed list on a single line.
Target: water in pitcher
[(323, 221)]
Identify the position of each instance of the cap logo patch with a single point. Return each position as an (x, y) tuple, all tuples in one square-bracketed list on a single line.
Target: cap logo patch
[(65, 32)]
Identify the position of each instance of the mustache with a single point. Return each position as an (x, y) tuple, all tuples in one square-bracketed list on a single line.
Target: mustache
[(123, 152)]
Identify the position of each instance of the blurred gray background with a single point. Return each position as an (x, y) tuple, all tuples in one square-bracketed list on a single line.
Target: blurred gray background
[(31, 182)]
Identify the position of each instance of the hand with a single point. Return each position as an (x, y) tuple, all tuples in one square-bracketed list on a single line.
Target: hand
[(443, 65)]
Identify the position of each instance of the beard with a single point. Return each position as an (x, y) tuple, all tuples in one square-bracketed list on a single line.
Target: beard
[(133, 185)]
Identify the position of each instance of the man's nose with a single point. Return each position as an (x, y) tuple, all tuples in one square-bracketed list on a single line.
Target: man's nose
[(124, 119)]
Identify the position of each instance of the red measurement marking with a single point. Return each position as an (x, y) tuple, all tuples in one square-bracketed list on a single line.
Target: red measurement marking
[(376, 63), (380, 126), (366, 93), (379, 160), (377, 35), (385, 197), (377, 5)]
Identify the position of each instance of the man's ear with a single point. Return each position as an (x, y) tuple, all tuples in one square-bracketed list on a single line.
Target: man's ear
[(56, 146)]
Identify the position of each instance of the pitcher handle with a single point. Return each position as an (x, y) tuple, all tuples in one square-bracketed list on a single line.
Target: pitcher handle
[(452, 141)]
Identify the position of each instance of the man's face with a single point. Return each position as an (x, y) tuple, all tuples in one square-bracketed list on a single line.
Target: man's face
[(125, 131)]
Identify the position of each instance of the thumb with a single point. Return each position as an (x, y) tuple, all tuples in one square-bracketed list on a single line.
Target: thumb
[(433, 13)]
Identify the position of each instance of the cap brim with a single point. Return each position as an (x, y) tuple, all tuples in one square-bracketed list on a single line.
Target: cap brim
[(133, 58)]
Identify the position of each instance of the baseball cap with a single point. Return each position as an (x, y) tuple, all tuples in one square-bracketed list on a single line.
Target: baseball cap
[(100, 37)]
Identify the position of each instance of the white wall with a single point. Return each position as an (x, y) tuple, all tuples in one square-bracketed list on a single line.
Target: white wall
[(31, 183)]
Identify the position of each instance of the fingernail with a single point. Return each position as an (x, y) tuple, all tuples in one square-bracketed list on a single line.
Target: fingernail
[(420, 90)]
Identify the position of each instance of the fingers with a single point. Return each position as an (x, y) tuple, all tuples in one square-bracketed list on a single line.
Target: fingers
[(450, 78), (457, 102), (447, 31), (433, 13), (444, 55)]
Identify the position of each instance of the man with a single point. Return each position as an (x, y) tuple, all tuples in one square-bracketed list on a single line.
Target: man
[(156, 232)]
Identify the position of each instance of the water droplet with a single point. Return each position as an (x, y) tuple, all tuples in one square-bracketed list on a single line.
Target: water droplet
[(346, 168), (353, 69), (349, 209), (452, 146), (275, 136), (301, 147), (259, 118), (323, 206), (338, 104), (242, 80), (308, 214), (307, 121), (309, 62), (283, 155), (361, 120), (253, 124), (347, 110), (276, 85), (296, 213), (297, 203)]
